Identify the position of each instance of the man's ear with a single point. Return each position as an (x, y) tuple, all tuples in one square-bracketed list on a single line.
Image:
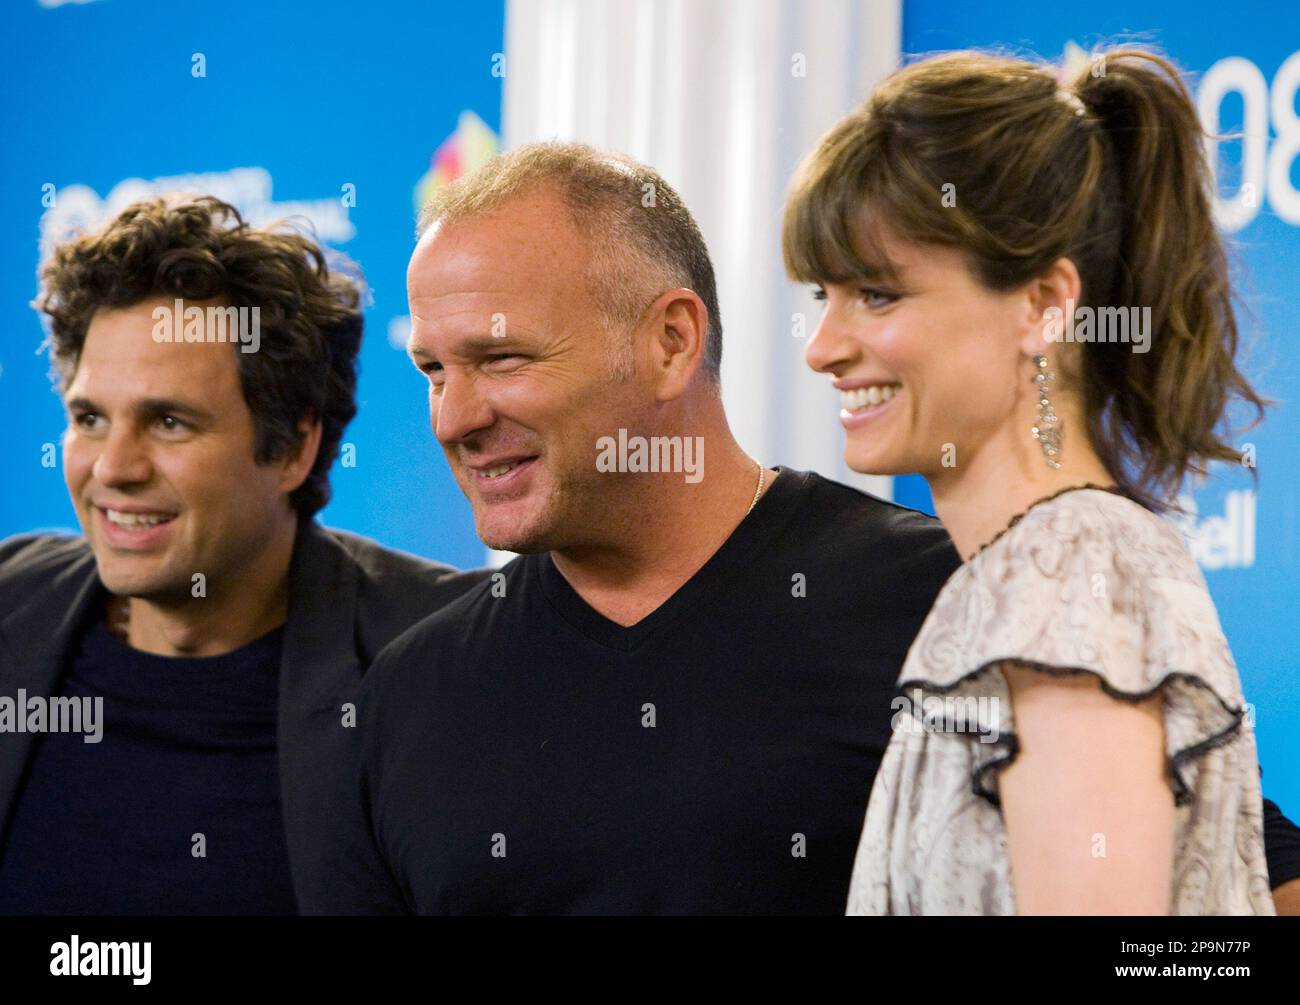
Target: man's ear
[(1049, 305), (297, 465), (679, 334)]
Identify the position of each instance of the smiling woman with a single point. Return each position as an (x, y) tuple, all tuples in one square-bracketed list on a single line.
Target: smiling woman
[(949, 225), (982, 163)]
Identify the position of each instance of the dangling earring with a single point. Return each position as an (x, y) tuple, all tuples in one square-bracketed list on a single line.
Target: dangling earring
[(1047, 428)]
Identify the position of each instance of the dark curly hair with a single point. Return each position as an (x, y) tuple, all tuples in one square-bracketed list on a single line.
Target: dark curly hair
[(200, 248)]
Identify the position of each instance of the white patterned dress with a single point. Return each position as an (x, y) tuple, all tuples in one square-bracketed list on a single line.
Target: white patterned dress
[(1086, 581)]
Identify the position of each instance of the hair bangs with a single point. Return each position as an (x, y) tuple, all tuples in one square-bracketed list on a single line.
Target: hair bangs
[(833, 230)]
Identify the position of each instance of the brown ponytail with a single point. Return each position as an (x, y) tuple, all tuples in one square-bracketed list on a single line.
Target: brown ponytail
[(1119, 184), (1171, 258)]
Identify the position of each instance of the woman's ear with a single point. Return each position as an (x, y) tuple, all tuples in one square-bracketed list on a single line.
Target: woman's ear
[(1050, 304)]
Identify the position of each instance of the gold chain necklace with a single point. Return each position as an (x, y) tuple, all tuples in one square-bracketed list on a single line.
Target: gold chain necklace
[(758, 490)]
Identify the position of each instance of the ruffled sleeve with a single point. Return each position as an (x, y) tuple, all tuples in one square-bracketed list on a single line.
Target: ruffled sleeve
[(1088, 583)]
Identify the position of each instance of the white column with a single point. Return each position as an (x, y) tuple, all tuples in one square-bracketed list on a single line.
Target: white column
[(723, 98)]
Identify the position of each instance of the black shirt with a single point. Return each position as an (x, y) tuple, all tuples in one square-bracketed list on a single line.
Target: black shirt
[(1281, 846), (524, 754), (188, 748)]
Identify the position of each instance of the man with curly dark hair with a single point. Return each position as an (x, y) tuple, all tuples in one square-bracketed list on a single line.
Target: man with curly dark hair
[(179, 681)]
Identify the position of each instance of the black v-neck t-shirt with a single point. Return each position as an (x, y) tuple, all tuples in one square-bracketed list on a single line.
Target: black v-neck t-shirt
[(524, 754)]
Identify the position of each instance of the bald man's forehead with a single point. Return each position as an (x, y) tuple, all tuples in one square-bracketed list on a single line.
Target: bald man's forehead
[(506, 254)]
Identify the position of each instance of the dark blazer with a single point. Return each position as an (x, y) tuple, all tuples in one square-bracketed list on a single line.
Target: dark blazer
[(348, 598)]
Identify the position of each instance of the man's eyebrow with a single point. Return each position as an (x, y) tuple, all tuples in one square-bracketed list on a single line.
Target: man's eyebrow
[(152, 407), (485, 343), (148, 408), (471, 345)]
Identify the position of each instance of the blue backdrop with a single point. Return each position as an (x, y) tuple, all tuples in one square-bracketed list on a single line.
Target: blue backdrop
[(311, 98), (334, 111)]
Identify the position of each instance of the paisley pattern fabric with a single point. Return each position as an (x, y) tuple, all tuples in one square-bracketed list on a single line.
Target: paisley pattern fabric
[(1087, 582)]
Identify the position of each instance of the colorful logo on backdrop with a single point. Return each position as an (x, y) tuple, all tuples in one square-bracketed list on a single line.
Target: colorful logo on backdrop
[(462, 153), (77, 208)]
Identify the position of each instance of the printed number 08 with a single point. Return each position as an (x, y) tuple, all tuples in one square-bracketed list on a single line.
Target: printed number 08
[(1262, 168)]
